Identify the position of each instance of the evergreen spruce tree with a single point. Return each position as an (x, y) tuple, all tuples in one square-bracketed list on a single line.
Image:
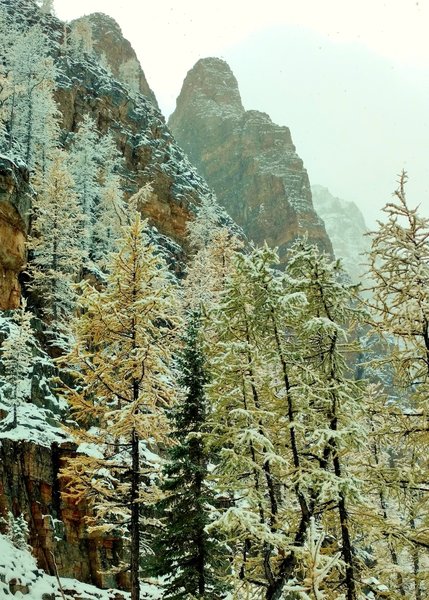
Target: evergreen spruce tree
[(191, 559), (122, 364), (17, 531)]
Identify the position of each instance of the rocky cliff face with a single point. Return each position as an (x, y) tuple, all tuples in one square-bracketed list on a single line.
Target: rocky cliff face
[(29, 484), (150, 152), (110, 46), (346, 227), (14, 206), (250, 162)]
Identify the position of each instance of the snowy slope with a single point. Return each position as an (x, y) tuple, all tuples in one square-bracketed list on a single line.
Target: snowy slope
[(38, 420), (21, 578)]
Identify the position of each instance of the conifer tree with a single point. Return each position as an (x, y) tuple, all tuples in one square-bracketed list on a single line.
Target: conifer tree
[(317, 566), (17, 530), (109, 211), (30, 109), (84, 167), (284, 408), (214, 245), (190, 558), (125, 337), (55, 245), (244, 425), (8, 34), (399, 268), (47, 6), (95, 164), (16, 358), (80, 39), (331, 393), (381, 473), (129, 73), (280, 309)]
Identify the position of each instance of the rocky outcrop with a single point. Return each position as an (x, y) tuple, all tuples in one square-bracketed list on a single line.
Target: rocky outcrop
[(14, 207), (29, 484), (111, 46), (20, 577), (346, 228), (250, 162), (150, 152)]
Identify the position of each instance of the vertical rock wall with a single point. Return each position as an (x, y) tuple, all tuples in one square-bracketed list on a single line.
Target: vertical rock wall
[(29, 485), (250, 162), (14, 207)]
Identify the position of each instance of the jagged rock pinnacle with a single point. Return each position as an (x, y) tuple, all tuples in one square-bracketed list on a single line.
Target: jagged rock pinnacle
[(212, 83), (250, 162), (110, 44)]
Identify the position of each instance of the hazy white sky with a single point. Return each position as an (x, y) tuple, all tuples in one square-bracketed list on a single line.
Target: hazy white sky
[(349, 77)]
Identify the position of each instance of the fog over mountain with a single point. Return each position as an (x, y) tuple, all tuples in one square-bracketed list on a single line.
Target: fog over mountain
[(350, 80), (357, 119)]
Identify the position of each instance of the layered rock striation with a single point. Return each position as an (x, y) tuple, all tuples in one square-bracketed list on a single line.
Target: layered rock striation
[(249, 161), (149, 150), (30, 485)]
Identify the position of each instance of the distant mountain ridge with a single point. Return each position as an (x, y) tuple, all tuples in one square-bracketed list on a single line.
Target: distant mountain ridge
[(249, 161), (346, 228)]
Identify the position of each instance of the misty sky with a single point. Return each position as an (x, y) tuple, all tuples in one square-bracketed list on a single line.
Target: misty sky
[(350, 79)]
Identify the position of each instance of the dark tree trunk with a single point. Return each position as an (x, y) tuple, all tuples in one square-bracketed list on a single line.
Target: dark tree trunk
[(135, 521), (201, 546), (345, 535)]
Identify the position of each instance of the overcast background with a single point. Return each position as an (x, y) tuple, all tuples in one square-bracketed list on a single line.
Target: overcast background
[(350, 78)]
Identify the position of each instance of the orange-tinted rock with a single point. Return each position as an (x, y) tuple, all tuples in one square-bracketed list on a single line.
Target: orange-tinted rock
[(29, 480), (249, 161), (29, 484), (150, 152), (111, 46), (13, 226)]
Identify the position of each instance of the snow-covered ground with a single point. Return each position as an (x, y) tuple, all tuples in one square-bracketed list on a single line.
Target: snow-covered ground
[(21, 579), (39, 423)]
